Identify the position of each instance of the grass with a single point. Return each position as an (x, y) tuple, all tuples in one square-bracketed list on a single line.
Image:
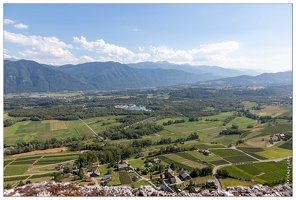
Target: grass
[(56, 159), (287, 145), (139, 183), (18, 178), (230, 182), (15, 170), (6, 162), (253, 151), (23, 162), (124, 178), (275, 152), (168, 160), (232, 155), (136, 163), (266, 172), (242, 122), (185, 161)]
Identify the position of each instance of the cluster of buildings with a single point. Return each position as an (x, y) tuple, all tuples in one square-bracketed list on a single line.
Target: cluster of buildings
[(278, 137)]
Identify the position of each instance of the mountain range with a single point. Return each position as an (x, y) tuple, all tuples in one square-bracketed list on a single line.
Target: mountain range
[(29, 76)]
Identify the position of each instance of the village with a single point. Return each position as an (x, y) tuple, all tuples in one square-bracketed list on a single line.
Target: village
[(90, 175)]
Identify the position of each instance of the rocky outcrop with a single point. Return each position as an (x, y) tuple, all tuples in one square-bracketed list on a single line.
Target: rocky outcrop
[(72, 189)]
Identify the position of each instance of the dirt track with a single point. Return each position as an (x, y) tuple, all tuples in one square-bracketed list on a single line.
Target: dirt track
[(55, 150)]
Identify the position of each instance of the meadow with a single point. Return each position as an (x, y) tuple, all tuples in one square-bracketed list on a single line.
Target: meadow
[(232, 156)]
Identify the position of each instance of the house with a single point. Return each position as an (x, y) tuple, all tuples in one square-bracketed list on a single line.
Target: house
[(185, 176), (168, 173), (135, 178), (149, 164), (166, 188), (87, 179), (81, 170), (142, 168), (74, 167), (60, 166), (211, 182), (68, 175), (106, 178), (206, 152), (94, 172), (172, 179), (156, 160), (123, 166)]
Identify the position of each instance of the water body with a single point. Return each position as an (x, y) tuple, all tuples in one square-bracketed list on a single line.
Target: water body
[(143, 108)]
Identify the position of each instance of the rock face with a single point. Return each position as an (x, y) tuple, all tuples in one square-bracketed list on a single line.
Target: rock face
[(71, 189)]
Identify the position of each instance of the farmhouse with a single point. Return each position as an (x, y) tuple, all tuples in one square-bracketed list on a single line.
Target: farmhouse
[(168, 173), (185, 176), (87, 179), (156, 160), (172, 179), (141, 168), (106, 178), (94, 172), (166, 188), (68, 175), (211, 182), (135, 178), (123, 166)]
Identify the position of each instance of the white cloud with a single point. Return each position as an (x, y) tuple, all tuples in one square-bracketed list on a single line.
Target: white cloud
[(141, 48), (110, 51), (8, 21), (208, 54), (43, 49), (21, 26), (137, 29), (84, 59)]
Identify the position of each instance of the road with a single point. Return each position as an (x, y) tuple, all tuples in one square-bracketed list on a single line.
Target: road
[(92, 130)]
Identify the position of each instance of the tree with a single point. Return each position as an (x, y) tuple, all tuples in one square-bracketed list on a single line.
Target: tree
[(8, 186), (195, 173)]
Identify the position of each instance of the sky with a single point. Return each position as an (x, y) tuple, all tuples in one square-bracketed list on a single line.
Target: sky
[(241, 36)]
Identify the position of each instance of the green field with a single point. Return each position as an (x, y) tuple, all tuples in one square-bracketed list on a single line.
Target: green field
[(42, 130), (170, 161), (15, 170), (124, 178), (230, 182), (253, 151), (287, 145), (18, 178), (232, 155), (56, 159), (242, 122), (266, 172), (139, 183), (136, 163), (99, 124)]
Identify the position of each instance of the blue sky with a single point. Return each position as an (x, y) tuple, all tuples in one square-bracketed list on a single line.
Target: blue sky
[(254, 36)]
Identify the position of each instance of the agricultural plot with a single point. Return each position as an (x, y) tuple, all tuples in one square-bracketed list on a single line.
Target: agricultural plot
[(275, 152), (6, 162), (287, 145), (266, 172), (199, 157), (124, 178), (42, 130), (186, 161), (249, 104), (253, 151), (23, 162), (15, 170), (231, 182), (18, 178), (272, 111), (170, 161), (56, 159), (232, 155), (242, 122)]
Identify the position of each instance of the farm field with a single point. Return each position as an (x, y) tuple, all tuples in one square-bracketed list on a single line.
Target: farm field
[(232, 156), (272, 111), (185, 161), (242, 122), (99, 124), (170, 161), (230, 182), (266, 172), (15, 170), (124, 177), (212, 158), (47, 129)]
